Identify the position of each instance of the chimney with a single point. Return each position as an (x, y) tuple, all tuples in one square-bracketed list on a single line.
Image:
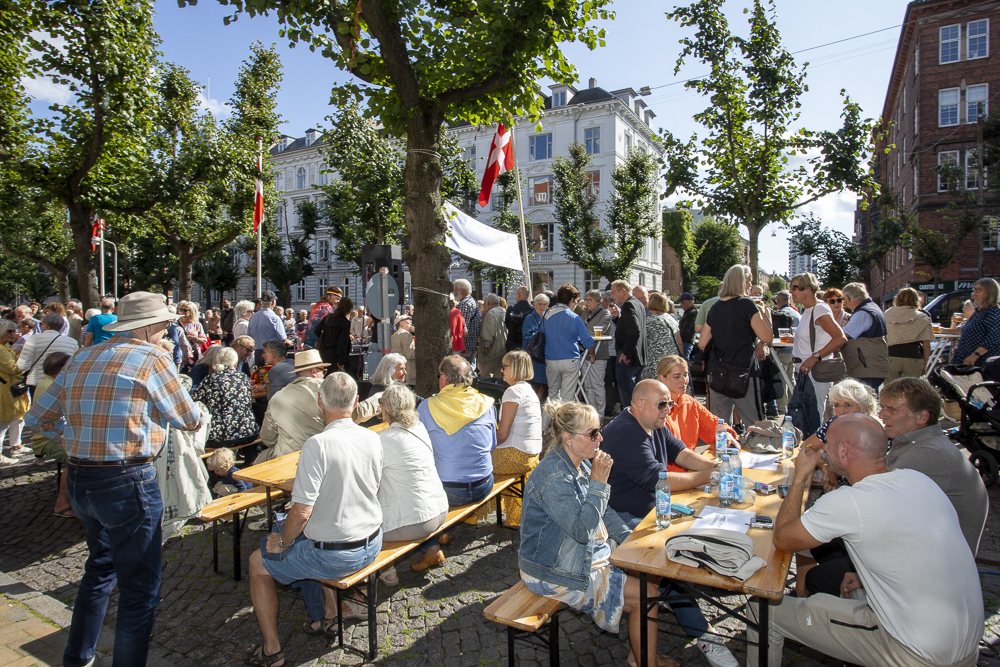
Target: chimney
[(593, 82)]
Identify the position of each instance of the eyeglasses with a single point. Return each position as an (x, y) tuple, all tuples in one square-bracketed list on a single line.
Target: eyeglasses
[(592, 434), (835, 301), (504, 367), (796, 288), (665, 405)]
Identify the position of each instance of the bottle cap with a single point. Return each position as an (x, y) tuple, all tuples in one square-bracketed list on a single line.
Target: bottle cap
[(725, 457), (663, 474)]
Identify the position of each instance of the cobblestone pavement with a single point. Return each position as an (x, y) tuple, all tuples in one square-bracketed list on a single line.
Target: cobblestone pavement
[(432, 619)]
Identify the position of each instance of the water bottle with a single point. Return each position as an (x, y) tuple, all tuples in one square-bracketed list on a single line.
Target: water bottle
[(721, 440), (787, 439), (727, 482), (736, 461), (662, 502)]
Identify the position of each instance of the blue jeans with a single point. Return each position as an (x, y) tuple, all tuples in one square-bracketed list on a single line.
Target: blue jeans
[(470, 493), (121, 510), (627, 377), (688, 612), (687, 350), (874, 383)]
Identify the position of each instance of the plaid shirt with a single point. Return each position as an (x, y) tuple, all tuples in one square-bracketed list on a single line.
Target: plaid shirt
[(473, 319), (113, 400)]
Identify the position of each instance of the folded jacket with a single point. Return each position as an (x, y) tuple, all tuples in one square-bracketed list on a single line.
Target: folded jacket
[(726, 552)]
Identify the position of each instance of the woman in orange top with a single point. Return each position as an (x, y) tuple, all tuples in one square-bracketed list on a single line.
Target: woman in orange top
[(689, 420)]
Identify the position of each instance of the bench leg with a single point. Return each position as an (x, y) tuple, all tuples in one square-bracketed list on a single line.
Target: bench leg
[(499, 517), (372, 623), (554, 641), (270, 513), (58, 476), (340, 620), (510, 646), (237, 574), (215, 546)]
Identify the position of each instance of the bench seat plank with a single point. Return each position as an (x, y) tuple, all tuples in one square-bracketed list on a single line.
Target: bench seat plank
[(236, 502), (521, 609)]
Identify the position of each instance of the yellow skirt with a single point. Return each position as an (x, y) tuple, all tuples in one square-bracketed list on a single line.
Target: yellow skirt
[(510, 461)]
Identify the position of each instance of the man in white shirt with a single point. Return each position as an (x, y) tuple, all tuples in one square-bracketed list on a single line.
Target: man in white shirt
[(339, 472), (916, 600)]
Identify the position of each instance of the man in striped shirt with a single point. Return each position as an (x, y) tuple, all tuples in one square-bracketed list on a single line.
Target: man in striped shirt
[(111, 405)]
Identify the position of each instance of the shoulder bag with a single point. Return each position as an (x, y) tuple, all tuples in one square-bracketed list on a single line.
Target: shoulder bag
[(21, 388), (536, 346), (825, 370)]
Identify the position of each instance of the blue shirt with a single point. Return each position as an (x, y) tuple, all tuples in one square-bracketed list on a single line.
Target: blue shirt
[(982, 330), (96, 326), (794, 314), (238, 483), (265, 326), (858, 324), (564, 329), (465, 456)]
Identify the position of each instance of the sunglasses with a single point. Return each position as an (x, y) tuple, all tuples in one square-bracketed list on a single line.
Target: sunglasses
[(796, 288), (665, 405), (592, 434), (835, 301)]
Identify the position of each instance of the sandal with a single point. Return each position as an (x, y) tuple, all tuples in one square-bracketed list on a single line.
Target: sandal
[(355, 609), (389, 577), (65, 513), (254, 657), (325, 626)]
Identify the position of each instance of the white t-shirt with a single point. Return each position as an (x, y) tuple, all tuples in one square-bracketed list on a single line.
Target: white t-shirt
[(919, 575), (802, 349), (526, 432)]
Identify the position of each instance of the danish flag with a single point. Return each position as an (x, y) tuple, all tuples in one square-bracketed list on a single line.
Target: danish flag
[(258, 196), (501, 160)]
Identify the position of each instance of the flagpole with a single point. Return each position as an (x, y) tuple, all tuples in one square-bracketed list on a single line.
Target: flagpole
[(260, 225), (520, 210)]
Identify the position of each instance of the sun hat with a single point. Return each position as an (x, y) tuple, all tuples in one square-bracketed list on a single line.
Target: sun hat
[(401, 318), (140, 309), (308, 359)]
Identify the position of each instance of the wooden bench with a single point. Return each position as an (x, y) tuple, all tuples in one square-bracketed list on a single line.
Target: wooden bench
[(232, 506), (393, 551), (524, 613), (210, 450)]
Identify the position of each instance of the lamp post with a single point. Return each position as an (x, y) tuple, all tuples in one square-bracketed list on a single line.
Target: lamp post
[(102, 241)]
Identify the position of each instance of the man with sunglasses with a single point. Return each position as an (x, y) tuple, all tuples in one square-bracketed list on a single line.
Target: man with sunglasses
[(641, 447)]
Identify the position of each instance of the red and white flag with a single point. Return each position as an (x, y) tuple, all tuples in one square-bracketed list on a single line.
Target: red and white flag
[(501, 160), (258, 196)]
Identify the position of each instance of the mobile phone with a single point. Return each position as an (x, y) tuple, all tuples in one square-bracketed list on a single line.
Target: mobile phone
[(783, 489), (761, 521), (683, 509)]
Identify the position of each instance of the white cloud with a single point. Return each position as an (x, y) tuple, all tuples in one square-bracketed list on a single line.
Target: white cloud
[(213, 106), (44, 90)]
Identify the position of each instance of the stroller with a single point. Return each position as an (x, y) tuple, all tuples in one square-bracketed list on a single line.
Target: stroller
[(979, 426)]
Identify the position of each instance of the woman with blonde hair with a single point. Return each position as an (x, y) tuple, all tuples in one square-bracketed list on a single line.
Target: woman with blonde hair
[(909, 332), (817, 317), (226, 394), (980, 337)]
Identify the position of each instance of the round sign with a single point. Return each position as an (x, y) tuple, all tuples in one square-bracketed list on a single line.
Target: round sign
[(374, 296)]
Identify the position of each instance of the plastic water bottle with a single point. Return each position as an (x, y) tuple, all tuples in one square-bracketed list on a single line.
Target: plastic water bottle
[(662, 502), (787, 439), (721, 440), (727, 482)]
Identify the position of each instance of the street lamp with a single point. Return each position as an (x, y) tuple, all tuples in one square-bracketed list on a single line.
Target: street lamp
[(101, 240)]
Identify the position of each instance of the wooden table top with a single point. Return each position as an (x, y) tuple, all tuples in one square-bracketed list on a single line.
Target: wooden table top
[(644, 550), (277, 473)]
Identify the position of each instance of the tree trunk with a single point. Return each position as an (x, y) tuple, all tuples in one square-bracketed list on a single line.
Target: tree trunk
[(184, 266), (86, 275), (753, 234), (62, 280), (477, 285), (427, 257)]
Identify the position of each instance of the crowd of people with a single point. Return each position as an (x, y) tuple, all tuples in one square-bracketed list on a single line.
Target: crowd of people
[(597, 402)]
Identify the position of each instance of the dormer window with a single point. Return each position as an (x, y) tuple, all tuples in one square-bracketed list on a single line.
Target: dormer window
[(311, 137), (559, 99)]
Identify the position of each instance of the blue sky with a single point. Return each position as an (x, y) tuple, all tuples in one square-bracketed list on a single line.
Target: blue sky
[(642, 47)]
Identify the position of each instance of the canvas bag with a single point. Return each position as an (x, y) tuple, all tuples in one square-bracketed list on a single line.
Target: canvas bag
[(825, 370)]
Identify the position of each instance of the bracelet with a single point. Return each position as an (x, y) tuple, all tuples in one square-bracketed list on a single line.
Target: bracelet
[(281, 541)]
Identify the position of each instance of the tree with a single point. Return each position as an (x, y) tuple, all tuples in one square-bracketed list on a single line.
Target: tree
[(932, 249), (34, 228), (740, 169), (583, 240), (837, 257), (86, 156), (422, 65), (506, 220), (776, 284), (20, 278), (288, 262), (966, 209), (719, 247), (678, 235), (219, 271), (708, 287), (147, 263)]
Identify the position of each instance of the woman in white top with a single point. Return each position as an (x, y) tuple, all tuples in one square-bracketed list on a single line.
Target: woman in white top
[(241, 318), (414, 504), (519, 434), (39, 346), (829, 336)]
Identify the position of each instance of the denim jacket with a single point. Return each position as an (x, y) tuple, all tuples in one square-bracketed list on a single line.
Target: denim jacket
[(558, 520)]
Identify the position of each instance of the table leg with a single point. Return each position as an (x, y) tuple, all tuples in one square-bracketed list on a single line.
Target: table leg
[(236, 546), (499, 519), (781, 369), (270, 514), (372, 624), (644, 626), (763, 635)]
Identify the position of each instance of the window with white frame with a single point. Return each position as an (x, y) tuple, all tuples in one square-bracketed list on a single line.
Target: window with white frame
[(324, 175), (590, 281), (904, 195), (949, 37), (279, 181), (628, 142), (216, 296), (540, 146), (948, 107), (977, 35), (642, 278), (916, 175), (991, 232), (916, 119), (559, 99), (300, 179), (946, 158), (543, 235), (497, 199), (975, 101), (323, 250), (904, 150), (971, 170), (594, 183), (539, 191), (321, 285), (300, 291), (469, 155), (592, 140)]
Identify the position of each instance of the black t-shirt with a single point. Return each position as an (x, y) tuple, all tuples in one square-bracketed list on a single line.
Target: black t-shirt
[(732, 335)]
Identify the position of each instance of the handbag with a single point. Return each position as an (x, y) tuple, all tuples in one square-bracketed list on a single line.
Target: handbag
[(825, 370), (21, 388), (536, 346), (728, 379)]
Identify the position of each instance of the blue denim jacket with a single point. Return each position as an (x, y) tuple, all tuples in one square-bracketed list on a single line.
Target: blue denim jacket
[(558, 520)]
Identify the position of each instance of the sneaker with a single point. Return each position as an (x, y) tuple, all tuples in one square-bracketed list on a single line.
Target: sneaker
[(716, 652), (258, 525), (7, 460)]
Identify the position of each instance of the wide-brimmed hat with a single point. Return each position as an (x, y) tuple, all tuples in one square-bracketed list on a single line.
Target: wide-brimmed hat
[(308, 359), (401, 318), (140, 309)]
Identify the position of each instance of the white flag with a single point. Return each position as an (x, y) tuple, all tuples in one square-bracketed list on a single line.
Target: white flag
[(467, 236)]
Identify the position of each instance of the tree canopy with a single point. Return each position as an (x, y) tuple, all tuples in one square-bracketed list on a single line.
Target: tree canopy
[(719, 247)]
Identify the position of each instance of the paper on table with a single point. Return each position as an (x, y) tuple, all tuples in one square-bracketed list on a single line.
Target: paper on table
[(759, 461), (723, 518)]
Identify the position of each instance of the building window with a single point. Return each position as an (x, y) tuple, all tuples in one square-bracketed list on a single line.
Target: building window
[(916, 119), (300, 179), (991, 233), (216, 296), (946, 158), (916, 176), (279, 181), (539, 190), (543, 235), (321, 285), (916, 61), (971, 170), (592, 139), (904, 150), (469, 155), (300, 291), (642, 278), (347, 287), (590, 281), (978, 39), (323, 250), (559, 99), (594, 183), (904, 196), (949, 36), (324, 176), (948, 107), (497, 199), (628, 142), (975, 99), (540, 146)]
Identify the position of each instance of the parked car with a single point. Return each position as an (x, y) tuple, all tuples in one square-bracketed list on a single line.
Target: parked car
[(943, 306)]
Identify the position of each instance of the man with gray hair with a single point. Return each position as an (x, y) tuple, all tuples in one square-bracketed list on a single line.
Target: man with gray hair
[(39, 346), (282, 370), (516, 312), (339, 472), (75, 318), (265, 325), (292, 415), (473, 319), (595, 315), (867, 351), (492, 338)]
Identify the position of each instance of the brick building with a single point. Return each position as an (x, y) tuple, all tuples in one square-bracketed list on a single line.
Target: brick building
[(943, 76)]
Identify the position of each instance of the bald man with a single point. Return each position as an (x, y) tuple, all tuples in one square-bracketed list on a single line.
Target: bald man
[(916, 598)]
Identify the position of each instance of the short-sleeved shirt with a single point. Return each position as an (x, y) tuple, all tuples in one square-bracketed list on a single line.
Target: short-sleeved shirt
[(705, 309), (802, 348), (925, 592), (265, 325), (639, 459), (96, 326), (733, 336), (526, 432)]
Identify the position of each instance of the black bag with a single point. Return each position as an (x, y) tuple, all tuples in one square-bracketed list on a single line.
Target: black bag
[(729, 380), (21, 388), (536, 346)]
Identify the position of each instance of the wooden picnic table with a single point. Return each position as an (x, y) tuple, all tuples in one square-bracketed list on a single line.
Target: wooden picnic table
[(277, 473), (644, 552)]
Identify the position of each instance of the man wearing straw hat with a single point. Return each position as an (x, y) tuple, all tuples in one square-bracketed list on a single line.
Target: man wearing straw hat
[(111, 405), (293, 415)]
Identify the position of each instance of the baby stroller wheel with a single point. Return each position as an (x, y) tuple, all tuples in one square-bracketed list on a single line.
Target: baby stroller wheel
[(986, 464)]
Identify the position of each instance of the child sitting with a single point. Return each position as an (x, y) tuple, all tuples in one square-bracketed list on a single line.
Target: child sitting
[(221, 462), (53, 449)]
